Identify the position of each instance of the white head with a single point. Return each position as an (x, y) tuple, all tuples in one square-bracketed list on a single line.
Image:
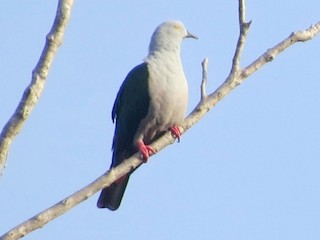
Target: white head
[(168, 37)]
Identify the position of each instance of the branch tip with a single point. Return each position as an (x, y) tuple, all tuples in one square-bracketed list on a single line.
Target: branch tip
[(247, 24)]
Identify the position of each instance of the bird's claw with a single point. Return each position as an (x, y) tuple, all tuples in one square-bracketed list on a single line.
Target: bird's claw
[(175, 131), (145, 150)]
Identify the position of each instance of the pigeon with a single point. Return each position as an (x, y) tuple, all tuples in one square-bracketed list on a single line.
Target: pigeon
[(151, 100)]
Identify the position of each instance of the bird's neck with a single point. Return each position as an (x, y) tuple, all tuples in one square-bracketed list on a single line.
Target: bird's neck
[(168, 61), (163, 45), (164, 55)]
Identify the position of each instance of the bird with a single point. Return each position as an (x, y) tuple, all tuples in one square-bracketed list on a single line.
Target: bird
[(151, 100)]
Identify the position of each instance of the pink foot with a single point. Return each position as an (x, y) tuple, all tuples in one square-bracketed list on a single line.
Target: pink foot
[(175, 131), (145, 150)]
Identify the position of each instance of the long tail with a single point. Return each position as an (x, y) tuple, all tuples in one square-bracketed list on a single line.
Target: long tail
[(111, 196)]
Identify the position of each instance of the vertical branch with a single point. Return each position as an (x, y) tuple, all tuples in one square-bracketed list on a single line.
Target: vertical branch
[(242, 12), (204, 65), (34, 90), (244, 28)]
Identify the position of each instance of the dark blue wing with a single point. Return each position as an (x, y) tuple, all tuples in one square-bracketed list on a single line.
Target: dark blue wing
[(130, 107)]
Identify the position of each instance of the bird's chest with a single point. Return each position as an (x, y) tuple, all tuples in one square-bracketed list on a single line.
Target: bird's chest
[(168, 95)]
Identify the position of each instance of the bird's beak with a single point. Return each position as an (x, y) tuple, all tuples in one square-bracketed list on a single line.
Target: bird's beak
[(190, 35)]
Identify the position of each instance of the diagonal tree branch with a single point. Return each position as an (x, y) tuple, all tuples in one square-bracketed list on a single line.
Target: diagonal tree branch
[(270, 54), (206, 103), (33, 92), (58, 209)]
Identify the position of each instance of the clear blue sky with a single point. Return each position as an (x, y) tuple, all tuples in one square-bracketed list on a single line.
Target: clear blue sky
[(249, 170)]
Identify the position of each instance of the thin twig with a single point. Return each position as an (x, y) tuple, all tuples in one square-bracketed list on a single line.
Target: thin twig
[(242, 12), (244, 29), (33, 92), (204, 65)]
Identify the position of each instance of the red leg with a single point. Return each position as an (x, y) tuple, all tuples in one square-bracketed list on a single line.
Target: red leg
[(145, 150), (175, 131)]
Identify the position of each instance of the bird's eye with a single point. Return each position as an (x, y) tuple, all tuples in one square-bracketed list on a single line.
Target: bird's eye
[(176, 26)]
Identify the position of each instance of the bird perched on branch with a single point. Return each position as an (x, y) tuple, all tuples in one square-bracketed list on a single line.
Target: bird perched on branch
[(152, 99)]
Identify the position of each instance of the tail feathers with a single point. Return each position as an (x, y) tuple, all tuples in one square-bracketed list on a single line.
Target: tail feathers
[(111, 196)]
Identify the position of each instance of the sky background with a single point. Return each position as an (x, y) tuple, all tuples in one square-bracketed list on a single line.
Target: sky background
[(249, 170)]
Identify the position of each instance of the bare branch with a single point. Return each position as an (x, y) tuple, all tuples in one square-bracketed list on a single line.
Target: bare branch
[(244, 29), (33, 92), (270, 54), (69, 202), (204, 65), (242, 12)]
